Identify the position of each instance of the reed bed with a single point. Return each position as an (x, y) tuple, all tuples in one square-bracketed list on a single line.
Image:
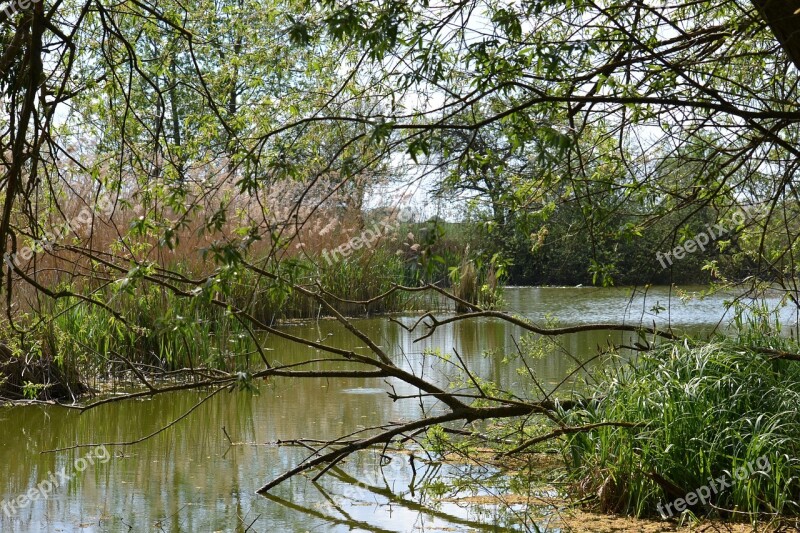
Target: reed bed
[(704, 411)]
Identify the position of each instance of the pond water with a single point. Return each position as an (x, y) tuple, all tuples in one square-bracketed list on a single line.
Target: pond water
[(190, 478)]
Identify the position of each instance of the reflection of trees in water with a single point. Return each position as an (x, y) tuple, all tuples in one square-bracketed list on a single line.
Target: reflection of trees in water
[(166, 472), (339, 508)]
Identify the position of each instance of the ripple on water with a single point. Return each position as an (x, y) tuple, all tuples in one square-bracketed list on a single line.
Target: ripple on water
[(364, 390)]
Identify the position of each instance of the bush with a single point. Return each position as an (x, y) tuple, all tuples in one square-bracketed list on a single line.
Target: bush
[(704, 411)]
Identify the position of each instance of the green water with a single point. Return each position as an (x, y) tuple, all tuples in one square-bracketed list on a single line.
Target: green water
[(189, 478)]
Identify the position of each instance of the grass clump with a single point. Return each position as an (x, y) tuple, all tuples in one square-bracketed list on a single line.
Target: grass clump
[(703, 412), (69, 342)]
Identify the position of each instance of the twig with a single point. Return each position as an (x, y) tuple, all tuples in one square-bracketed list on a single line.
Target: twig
[(142, 439)]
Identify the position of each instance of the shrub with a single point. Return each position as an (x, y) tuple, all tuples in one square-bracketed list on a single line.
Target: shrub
[(704, 411)]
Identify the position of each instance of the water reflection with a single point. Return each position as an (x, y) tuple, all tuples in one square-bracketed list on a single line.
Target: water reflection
[(190, 478)]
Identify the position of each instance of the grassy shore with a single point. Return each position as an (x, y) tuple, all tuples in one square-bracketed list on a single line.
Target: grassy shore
[(718, 433)]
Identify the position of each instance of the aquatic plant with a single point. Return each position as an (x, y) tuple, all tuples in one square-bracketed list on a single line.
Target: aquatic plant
[(701, 412)]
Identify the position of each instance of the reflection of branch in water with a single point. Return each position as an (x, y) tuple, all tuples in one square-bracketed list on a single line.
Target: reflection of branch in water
[(331, 519), (330, 500), (431, 471), (411, 505), (523, 516)]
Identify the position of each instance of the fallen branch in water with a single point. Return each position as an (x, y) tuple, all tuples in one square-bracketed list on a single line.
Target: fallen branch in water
[(528, 326)]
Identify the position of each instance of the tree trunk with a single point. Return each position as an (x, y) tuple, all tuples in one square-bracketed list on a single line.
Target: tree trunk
[(783, 19)]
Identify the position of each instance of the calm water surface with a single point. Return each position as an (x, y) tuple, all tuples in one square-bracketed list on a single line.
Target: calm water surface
[(189, 478)]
